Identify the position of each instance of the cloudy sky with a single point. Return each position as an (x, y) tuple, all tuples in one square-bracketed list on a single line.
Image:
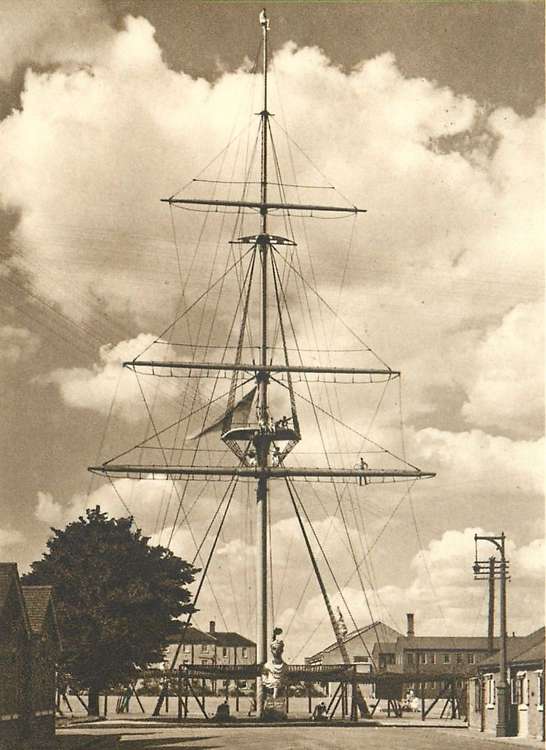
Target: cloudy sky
[(429, 116)]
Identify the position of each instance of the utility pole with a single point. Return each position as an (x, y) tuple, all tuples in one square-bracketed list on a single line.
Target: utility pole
[(482, 569), (491, 617)]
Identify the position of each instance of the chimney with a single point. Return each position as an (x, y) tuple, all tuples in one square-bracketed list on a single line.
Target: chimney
[(411, 628), (212, 627)]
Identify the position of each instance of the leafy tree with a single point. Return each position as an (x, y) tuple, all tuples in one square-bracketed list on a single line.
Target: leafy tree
[(116, 598)]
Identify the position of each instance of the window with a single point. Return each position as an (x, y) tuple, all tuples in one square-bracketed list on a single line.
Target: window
[(470, 658), (244, 652), (540, 696), (490, 690), (187, 648), (204, 648), (359, 659), (459, 658), (522, 689), (422, 658), (432, 658), (224, 651), (447, 658), (409, 658), (518, 690)]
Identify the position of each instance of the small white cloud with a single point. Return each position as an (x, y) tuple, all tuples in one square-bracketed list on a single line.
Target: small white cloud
[(48, 511), (108, 382)]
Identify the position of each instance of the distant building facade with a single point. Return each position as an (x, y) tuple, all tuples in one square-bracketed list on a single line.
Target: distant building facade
[(359, 645), (212, 647), (379, 648), (29, 647), (525, 666)]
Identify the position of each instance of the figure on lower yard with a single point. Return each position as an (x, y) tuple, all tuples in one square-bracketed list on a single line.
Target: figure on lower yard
[(275, 670)]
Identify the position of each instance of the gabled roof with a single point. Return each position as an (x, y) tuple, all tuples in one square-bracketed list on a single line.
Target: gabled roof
[(529, 648), (38, 600), (376, 626), (218, 638), (384, 647), (226, 638), (9, 576), (191, 635)]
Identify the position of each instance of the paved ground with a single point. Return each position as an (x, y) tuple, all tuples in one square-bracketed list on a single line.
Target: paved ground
[(281, 737)]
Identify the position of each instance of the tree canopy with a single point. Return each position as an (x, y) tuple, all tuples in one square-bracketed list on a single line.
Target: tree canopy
[(116, 597)]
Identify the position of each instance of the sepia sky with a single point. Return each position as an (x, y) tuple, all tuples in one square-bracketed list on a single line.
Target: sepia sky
[(430, 115)]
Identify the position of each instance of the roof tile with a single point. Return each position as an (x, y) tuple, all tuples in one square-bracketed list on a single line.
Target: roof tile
[(37, 600)]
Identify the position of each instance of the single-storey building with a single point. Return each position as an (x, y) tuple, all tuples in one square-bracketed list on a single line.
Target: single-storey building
[(29, 646), (359, 645), (525, 668)]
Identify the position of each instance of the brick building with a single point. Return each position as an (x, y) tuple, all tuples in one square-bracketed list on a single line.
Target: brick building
[(212, 647), (29, 646), (360, 647), (525, 663), (45, 647), (434, 656)]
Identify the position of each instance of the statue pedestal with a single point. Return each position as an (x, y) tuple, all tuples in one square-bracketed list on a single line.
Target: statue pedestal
[(275, 709)]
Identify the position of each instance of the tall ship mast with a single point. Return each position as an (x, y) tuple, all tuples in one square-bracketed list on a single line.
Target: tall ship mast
[(261, 445)]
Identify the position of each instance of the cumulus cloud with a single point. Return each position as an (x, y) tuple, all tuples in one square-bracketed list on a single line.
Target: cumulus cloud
[(107, 381), (17, 343), (48, 511), (442, 594), (507, 391), (494, 461), (443, 271)]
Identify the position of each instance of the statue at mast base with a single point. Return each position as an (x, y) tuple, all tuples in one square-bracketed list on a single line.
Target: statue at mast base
[(274, 677)]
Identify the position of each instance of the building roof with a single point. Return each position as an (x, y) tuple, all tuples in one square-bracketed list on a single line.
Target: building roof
[(445, 643), (522, 650), (38, 602), (376, 626), (227, 638), (9, 576), (191, 635), (218, 638), (384, 647), (37, 599)]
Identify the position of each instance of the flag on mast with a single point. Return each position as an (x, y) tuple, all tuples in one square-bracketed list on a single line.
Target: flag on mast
[(239, 414)]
